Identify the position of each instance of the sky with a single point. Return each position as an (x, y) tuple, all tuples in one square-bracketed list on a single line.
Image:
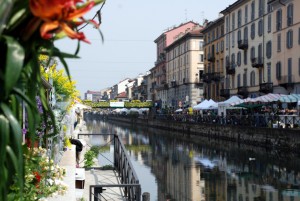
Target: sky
[(129, 28)]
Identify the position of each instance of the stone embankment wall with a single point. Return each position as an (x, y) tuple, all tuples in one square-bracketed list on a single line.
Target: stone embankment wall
[(284, 139)]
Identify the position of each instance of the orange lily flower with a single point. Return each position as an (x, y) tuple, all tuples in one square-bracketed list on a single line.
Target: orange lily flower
[(61, 15)]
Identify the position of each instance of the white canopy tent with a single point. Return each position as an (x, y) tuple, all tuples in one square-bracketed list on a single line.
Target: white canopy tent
[(205, 105), (222, 106)]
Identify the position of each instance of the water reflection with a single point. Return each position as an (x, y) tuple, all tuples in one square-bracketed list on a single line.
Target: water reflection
[(171, 168)]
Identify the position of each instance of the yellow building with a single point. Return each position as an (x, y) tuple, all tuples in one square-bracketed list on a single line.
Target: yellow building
[(286, 46), (213, 76)]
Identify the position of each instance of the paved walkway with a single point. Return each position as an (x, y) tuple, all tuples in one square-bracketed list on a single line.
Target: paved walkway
[(101, 177)]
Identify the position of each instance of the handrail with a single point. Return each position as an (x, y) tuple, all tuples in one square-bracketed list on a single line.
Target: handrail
[(128, 177), (134, 193)]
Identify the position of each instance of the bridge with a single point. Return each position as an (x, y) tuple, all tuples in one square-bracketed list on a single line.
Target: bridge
[(119, 104)]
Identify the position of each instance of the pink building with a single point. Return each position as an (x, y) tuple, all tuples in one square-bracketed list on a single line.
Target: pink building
[(159, 85)]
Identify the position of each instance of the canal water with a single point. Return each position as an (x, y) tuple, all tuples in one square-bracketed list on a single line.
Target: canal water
[(171, 168)]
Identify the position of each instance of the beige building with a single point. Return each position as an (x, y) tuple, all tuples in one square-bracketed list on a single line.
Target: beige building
[(213, 75), (184, 66), (286, 46), (248, 48)]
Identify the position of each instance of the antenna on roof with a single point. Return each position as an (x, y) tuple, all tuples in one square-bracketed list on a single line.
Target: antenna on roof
[(202, 16), (185, 12)]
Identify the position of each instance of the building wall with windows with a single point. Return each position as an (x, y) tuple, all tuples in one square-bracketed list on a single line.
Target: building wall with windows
[(286, 47), (213, 75), (159, 88), (248, 47), (183, 68)]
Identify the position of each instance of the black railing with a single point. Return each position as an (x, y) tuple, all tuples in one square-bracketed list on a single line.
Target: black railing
[(124, 167), (266, 87), (257, 62), (243, 44)]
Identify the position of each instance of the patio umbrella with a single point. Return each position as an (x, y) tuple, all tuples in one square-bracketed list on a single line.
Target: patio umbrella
[(292, 98)]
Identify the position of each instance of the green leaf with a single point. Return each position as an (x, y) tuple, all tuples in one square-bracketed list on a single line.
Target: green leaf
[(14, 62), (5, 8), (4, 133), (24, 97)]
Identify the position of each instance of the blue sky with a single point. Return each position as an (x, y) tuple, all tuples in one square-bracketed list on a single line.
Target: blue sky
[(130, 28)]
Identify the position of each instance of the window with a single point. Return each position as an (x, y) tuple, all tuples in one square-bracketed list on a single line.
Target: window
[(269, 73), (222, 46), (278, 42), (233, 21), (239, 36), (252, 31), (278, 20), (239, 58), (270, 8), (245, 79), (299, 36), (201, 58), (260, 55), (232, 38), (278, 70), (290, 67), (245, 57), (269, 49), (252, 52), (252, 79), (252, 10), (227, 41), (290, 13), (238, 80), (233, 58), (246, 14), (201, 45), (260, 27), (227, 24), (289, 39), (239, 18), (261, 8), (269, 23), (246, 33)]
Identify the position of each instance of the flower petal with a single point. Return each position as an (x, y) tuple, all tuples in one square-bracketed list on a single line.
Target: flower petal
[(47, 27), (72, 34), (80, 12)]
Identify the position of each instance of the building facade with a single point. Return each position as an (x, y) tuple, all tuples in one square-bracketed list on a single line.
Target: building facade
[(184, 66), (213, 75), (286, 46), (93, 95), (248, 48), (159, 88)]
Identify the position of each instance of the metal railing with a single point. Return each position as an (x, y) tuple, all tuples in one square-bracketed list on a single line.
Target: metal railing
[(123, 166)]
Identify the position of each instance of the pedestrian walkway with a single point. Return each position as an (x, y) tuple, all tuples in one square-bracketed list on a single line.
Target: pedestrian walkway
[(101, 177)]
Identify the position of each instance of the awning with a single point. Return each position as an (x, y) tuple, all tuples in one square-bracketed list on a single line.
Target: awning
[(292, 98)]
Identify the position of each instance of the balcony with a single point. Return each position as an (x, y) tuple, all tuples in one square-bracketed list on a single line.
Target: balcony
[(257, 62), (216, 76), (243, 91), (225, 93), (211, 57), (207, 77), (266, 88), (161, 58), (286, 81), (243, 44), (230, 69)]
